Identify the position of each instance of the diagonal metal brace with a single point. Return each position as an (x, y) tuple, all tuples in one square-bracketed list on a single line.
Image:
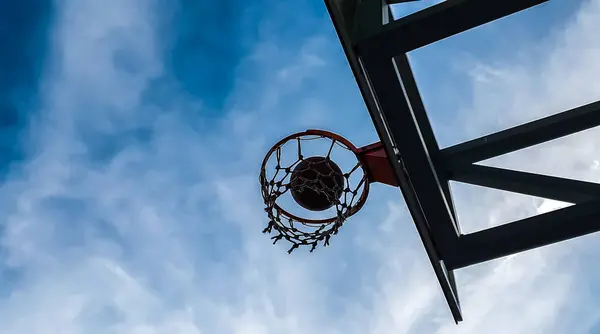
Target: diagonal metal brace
[(556, 188)]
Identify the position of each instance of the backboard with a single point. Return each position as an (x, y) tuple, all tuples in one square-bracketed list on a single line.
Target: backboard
[(343, 14), (376, 47)]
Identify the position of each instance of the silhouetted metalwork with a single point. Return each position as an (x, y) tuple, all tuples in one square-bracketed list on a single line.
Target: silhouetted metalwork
[(376, 45)]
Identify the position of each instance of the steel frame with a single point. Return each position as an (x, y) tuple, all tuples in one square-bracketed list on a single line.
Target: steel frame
[(376, 46)]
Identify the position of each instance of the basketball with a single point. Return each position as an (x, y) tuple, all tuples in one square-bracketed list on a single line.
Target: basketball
[(316, 183)]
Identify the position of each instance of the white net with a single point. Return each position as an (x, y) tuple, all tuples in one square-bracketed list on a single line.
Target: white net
[(304, 175)]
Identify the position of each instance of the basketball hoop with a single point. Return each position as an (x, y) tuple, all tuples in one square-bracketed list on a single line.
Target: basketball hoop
[(317, 184)]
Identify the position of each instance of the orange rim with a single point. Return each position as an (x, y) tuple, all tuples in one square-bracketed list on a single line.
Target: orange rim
[(325, 134)]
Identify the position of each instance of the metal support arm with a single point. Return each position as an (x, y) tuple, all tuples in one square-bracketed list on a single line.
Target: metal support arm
[(529, 233), (443, 20), (523, 136), (556, 188)]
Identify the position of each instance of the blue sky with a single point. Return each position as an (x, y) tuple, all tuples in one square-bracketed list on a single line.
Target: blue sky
[(133, 131)]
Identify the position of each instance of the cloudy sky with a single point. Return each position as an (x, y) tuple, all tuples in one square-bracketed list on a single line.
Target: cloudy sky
[(132, 134)]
